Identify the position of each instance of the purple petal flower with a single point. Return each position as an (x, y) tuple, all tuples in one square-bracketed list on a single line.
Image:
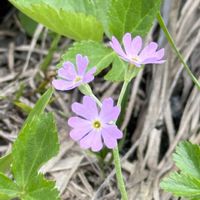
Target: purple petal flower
[(94, 127), (132, 53), (69, 77)]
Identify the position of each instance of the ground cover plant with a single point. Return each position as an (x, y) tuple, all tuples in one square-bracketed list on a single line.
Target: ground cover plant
[(119, 97)]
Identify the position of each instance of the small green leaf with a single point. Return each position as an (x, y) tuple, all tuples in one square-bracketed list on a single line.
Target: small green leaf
[(98, 55), (134, 16), (8, 188), (187, 158), (187, 183), (24, 107), (117, 71), (36, 144), (182, 185), (5, 163), (59, 17)]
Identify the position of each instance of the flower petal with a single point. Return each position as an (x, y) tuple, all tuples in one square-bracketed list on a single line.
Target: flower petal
[(78, 133), (68, 71), (160, 54), (86, 142), (63, 85), (117, 47), (153, 61), (97, 144), (113, 131), (108, 111), (109, 141), (127, 43), (77, 122), (87, 110), (149, 51), (89, 76), (136, 46), (90, 103), (82, 63)]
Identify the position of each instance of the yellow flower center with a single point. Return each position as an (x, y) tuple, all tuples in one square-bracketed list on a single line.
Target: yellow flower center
[(77, 79), (135, 59), (97, 124)]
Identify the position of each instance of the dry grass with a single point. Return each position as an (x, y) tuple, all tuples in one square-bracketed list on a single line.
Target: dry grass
[(163, 109)]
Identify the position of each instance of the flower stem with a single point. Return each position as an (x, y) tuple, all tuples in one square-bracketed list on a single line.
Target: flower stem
[(118, 170), (86, 90), (170, 40), (96, 99), (120, 180), (121, 95)]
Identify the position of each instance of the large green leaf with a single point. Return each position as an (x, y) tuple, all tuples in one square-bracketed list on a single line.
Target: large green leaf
[(4, 197), (182, 185), (41, 189), (99, 55), (36, 144), (68, 19), (134, 16), (101, 8), (8, 189), (39, 107), (83, 6), (187, 158)]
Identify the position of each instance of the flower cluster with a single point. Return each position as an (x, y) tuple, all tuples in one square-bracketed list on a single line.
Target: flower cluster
[(95, 126)]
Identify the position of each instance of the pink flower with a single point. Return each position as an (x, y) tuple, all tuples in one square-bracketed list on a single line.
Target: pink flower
[(69, 77), (132, 52), (93, 127)]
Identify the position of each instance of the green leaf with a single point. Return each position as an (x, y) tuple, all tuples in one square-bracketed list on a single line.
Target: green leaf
[(187, 183), (36, 144), (40, 189), (5, 162), (8, 189), (39, 106), (98, 55), (134, 16), (101, 8), (182, 185), (4, 197), (37, 110), (78, 6), (187, 158), (24, 107), (61, 18), (117, 71)]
